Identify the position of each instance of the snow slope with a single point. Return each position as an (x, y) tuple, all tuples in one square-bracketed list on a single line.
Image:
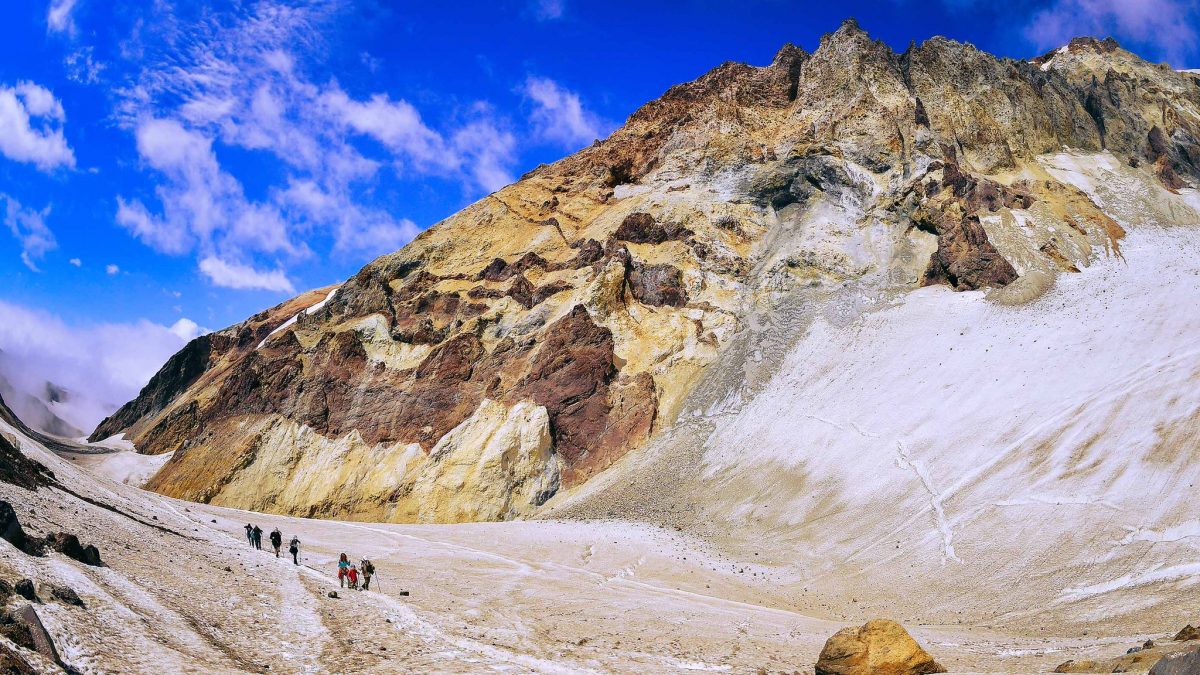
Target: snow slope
[(947, 456), (183, 592)]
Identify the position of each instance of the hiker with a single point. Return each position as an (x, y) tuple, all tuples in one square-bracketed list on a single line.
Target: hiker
[(368, 571), (257, 537), (352, 575), (250, 534), (294, 549), (276, 540), (343, 570)]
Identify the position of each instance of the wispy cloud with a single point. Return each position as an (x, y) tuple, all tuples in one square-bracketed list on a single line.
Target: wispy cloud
[(558, 114), (112, 270), (81, 65), (31, 120), (548, 10), (29, 227), (60, 16), (239, 80), (1167, 26)]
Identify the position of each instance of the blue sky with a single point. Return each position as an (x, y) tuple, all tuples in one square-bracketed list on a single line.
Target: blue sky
[(170, 166)]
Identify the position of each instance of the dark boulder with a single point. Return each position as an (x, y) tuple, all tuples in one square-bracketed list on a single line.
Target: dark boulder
[(641, 228), (24, 588), (17, 469), (69, 545), (657, 285), (12, 532)]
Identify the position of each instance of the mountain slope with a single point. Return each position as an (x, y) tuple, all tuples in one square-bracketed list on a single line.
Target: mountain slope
[(514, 351)]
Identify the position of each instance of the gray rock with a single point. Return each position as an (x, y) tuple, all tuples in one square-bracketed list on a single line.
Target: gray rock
[(1178, 664)]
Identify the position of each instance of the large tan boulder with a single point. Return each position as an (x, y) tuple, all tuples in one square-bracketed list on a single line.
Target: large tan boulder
[(880, 647)]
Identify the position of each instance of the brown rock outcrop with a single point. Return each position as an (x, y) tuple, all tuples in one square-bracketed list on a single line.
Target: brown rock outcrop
[(965, 259), (657, 285), (879, 647), (642, 228), (1188, 632)]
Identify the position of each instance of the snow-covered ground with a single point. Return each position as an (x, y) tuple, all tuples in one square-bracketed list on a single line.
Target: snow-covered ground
[(184, 592)]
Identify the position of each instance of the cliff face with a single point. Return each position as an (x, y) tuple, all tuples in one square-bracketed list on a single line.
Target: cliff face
[(518, 348)]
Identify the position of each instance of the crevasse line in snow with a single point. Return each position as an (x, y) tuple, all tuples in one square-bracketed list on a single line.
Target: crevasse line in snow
[(935, 500)]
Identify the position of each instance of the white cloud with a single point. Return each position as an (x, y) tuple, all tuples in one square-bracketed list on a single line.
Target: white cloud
[(235, 275), (76, 262), (558, 115), (31, 127), (1165, 25), (159, 235), (548, 10), (187, 330), (396, 124), (59, 17), (112, 270), (479, 149), (488, 152), (101, 365), (29, 227)]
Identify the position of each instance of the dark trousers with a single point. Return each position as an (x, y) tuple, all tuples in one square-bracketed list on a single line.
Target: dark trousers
[(295, 556)]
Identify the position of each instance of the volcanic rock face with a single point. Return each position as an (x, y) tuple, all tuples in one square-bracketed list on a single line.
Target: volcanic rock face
[(588, 298)]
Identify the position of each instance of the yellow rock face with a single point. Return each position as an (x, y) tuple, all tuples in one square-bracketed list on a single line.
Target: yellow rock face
[(498, 464), (879, 647)]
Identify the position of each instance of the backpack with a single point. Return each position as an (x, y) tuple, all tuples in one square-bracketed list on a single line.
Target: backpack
[(368, 568)]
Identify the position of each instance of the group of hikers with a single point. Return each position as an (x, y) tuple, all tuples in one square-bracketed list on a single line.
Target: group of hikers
[(254, 536), (348, 574)]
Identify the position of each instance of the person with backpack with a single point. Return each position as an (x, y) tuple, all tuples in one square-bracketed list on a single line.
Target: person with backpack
[(343, 570), (250, 534), (294, 549), (257, 537), (276, 540), (368, 571)]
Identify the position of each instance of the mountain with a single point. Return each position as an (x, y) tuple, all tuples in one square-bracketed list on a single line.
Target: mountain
[(676, 299), (39, 405)]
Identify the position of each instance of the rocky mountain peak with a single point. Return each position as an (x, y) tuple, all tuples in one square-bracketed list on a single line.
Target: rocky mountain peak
[(568, 319)]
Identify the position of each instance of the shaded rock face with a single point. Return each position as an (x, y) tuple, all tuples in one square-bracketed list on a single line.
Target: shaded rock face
[(879, 647), (12, 532), (602, 286), (180, 372), (1178, 664), (17, 469)]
